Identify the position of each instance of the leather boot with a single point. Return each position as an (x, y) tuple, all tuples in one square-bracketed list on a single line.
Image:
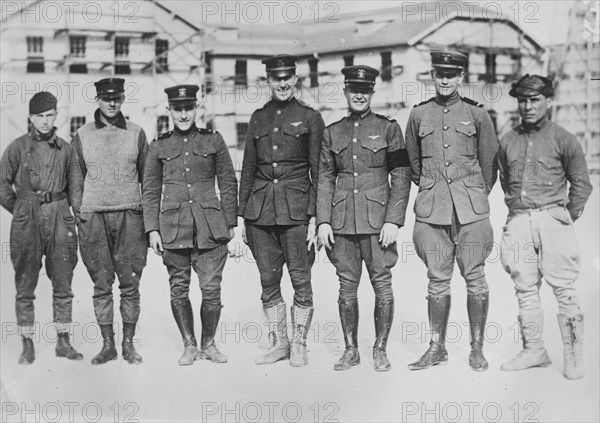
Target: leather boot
[(280, 344), (210, 316), (384, 315), (534, 354), (477, 308), (129, 352), (108, 351), (571, 330), (348, 310), (438, 308), (28, 354), (65, 349), (184, 317), (301, 319)]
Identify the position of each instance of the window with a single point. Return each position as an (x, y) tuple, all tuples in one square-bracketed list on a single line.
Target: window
[(386, 66), (490, 67), (349, 60), (162, 125), (242, 131), (122, 48), (77, 46), (35, 55), (241, 72), (313, 65), (35, 46), (208, 63), (162, 60), (122, 69), (76, 123)]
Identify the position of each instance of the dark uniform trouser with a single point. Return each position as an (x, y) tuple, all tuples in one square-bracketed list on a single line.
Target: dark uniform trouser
[(114, 242), (207, 263), (439, 245), (53, 236), (274, 246), (347, 255)]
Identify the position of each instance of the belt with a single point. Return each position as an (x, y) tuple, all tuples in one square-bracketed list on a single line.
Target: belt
[(537, 209), (43, 197)]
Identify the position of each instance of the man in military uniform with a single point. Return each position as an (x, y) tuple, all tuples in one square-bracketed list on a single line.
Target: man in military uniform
[(361, 154), (39, 180), (277, 201), (191, 227), (112, 152), (452, 147), (536, 160)]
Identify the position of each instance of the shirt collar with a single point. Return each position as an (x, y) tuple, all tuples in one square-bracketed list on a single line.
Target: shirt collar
[(120, 121), (535, 127), (52, 141), (357, 116)]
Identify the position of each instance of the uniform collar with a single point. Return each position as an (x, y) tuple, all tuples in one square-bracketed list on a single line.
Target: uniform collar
[(535, 127), (447, 101), (357, 116), (52, 141), (120, 121), (184, 133), (283, 104)]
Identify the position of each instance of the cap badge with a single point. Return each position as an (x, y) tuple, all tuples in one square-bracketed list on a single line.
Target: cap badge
[(182, 92), (361, 73), (446, 58)]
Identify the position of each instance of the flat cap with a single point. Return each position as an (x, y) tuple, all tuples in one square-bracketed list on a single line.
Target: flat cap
[(182, 93), (110, 86), (360, 74), (42, 102), (280, 64), (448, 59), (531, 85)]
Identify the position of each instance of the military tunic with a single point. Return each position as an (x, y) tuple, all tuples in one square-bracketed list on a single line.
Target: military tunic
[(452, 146), (278, 194), (40, 179), (181, 203), (361, 154)]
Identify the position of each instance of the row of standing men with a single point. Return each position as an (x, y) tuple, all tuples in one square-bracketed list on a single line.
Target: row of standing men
[(303, 186)]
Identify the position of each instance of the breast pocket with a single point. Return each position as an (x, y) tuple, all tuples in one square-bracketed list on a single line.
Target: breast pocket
[(169, 159), (296, 140), (262, 140), (204, 161), (467, 139), (374, 151), (549, 170), (341, 152), (426, 140)]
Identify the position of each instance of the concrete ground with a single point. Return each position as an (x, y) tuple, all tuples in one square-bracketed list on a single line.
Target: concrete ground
[(57, 390)]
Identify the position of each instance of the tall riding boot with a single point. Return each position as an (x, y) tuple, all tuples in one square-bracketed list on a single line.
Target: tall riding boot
[(64, 347), (571, 330), (210, 316), (348, 310), (438, 308), (184, 316), (534, 354), (384, 315), (108, 351), (477, 308), (129, 352), (28, 354), (301, 319), (280, 344)]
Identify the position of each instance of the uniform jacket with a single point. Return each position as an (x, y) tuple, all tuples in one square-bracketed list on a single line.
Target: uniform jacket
[(359, 155), (36, 166), (452, 147), (536, 163), (280, 168), (186, 165)]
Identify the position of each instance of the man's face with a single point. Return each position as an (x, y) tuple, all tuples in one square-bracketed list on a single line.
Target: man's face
[(533, 108), (447, 80), (283, 87), (183, 115), (43, 122), (358, 97), (110, 105)]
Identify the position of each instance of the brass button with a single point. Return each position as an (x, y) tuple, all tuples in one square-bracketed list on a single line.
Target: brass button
[(189, 185), (449, 181), (275, 129), (354, 157), (278, 112), (274, 147), (356, 124), (447, 164), (354, 140), (356, 191), (275, 181), (187, 153), (191, 201), (185, 140), (187, 169), (446, 128), (274, 164), (355, 173), (446, 145), (446, 110)]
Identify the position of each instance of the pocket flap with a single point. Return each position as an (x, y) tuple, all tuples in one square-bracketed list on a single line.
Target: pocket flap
[(337, 146), (468, 130), (548, 163), (169, 154), (260, 132), (298, 187), (473, 183), (425, 184), (374, 144), (378, 196), (210, 203), (338, 196), (204, 150), (166, 206), (425, 130), (295, 131)]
